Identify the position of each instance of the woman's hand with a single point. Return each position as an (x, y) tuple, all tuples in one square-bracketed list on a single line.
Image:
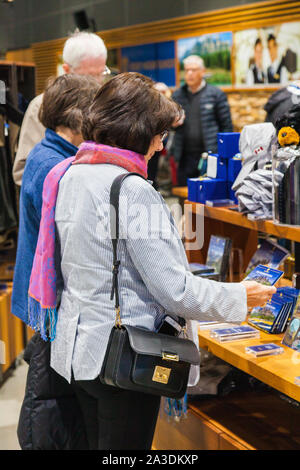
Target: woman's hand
[(257, 294)]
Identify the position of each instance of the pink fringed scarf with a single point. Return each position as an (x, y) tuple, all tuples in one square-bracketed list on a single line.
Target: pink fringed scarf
[(42, 312)]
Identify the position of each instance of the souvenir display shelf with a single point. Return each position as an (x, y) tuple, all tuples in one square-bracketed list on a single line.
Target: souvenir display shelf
[(277, 371), (271, 415), (228, 216)]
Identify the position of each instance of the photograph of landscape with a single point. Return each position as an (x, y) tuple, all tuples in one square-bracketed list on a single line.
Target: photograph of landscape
[(215, 50)]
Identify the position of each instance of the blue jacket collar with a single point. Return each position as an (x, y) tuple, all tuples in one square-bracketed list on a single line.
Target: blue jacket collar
[(57, 143)]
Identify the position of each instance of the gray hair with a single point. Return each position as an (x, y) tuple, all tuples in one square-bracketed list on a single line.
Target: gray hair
[(163, 88), (160, 86), (195, 59), (82, 45)]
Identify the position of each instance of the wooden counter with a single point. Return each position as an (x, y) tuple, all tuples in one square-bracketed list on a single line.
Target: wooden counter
[(278, 372)]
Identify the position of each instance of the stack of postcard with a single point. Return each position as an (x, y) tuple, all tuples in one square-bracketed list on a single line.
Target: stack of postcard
[(292, 334), (276, 314), (269, 349), (264, 275), (234, 333), (291, 292)]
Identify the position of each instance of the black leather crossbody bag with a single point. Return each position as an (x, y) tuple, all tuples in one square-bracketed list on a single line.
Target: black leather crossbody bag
[(138, 359)]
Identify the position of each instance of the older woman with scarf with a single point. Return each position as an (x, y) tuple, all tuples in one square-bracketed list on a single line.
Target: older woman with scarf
[(123, 128)]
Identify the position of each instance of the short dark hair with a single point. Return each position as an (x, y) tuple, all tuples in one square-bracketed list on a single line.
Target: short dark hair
[(65, 100), (271, 37), (258, 41), (128, 112)]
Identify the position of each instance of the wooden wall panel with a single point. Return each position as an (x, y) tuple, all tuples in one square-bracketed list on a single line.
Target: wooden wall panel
[(229, 19)]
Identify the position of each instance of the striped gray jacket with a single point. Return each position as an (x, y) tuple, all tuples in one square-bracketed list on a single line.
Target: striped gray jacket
[(154, 275)]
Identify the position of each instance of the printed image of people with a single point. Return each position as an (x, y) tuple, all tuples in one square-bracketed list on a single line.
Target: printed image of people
[(267, 56)]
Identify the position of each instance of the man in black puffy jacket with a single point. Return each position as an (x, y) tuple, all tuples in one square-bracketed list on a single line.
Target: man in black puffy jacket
[(207, 112)]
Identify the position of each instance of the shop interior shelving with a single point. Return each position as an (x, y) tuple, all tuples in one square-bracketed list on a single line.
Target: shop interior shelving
[(243, 420), (276, 371)]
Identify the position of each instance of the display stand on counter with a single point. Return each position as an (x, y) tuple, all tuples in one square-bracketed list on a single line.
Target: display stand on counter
[(266, 419)]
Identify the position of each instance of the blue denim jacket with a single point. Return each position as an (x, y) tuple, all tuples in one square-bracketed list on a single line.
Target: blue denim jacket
[(43, 157)]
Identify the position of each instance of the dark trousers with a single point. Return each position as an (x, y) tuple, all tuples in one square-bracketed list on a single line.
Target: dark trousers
[(117, 419)]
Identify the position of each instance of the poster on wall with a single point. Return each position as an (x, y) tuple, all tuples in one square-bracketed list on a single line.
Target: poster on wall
[(215, 50), (267, 56), (156, 60)]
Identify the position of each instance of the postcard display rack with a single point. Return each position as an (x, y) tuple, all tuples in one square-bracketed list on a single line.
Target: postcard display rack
[(257, 419)]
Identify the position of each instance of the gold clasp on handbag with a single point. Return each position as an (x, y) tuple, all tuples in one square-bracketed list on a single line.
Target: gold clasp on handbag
[(161, 374), (118, 323), (170, 356)]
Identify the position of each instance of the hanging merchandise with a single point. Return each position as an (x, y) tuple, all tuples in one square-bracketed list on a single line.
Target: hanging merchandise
[(286, 169), (255, 195), (255, 145), (253, 185)]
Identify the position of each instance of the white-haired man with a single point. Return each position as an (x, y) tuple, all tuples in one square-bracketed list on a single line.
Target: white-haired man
[(84, 53), (206, 113)]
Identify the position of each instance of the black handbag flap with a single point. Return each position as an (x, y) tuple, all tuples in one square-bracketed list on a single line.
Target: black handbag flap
[(172, 348)]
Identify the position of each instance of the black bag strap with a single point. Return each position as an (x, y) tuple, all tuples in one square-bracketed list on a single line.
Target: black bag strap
[(114, 231)]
